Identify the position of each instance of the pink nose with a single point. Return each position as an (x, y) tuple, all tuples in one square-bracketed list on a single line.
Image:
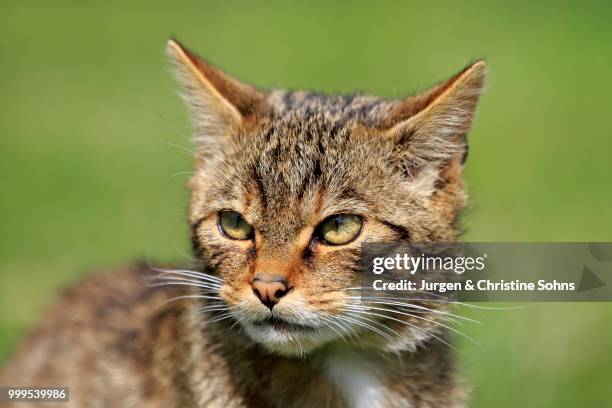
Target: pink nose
[(269, 292)]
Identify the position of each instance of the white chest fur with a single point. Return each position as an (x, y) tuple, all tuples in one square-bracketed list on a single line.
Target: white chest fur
[(359, 379)]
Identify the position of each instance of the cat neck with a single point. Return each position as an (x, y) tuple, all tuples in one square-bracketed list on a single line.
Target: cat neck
[(339, 372)]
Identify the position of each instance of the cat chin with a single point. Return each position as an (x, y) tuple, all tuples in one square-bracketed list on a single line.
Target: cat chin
[(288, 343)]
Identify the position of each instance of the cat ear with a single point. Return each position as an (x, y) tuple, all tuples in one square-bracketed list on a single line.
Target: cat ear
[(220, 105), (430, 129)]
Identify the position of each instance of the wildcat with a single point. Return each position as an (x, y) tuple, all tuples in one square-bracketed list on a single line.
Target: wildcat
[(286, 188)]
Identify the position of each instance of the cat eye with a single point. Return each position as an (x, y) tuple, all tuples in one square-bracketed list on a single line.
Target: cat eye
[(235, 226), (339, 229)]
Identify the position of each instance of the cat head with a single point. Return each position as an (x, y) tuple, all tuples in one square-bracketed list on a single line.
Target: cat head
[(288, 185)]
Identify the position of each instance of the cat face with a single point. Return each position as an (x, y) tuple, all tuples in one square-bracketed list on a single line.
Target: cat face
[(288, 185)]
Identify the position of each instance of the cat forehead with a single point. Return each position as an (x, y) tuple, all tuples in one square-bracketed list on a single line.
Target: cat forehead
[(312, 138), (306, 128), (311, 142), (297, 152), (300, 156)]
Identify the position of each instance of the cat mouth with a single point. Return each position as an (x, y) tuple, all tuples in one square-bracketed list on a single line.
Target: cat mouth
[(284, 337), (282, 325)]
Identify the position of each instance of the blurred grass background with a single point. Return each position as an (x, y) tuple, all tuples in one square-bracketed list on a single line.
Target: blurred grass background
[(89, 118)]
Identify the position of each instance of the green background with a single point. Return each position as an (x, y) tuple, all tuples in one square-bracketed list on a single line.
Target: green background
[(93, 141)]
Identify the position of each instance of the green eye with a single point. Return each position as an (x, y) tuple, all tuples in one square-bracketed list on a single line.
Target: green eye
[(340, 229), (234, 225)]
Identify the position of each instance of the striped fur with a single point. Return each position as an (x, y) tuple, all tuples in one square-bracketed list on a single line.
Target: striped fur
[(285, 161)]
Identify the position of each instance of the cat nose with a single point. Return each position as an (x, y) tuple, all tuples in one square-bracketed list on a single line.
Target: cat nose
[(269, 291)]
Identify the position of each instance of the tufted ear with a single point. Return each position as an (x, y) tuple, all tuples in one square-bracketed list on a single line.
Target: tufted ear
[(220, 105), (430, 129)]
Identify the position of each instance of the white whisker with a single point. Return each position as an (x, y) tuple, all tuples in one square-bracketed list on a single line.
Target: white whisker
[(404, 322), (419, 307), (368, 326), (424, 319), (193, 274)]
